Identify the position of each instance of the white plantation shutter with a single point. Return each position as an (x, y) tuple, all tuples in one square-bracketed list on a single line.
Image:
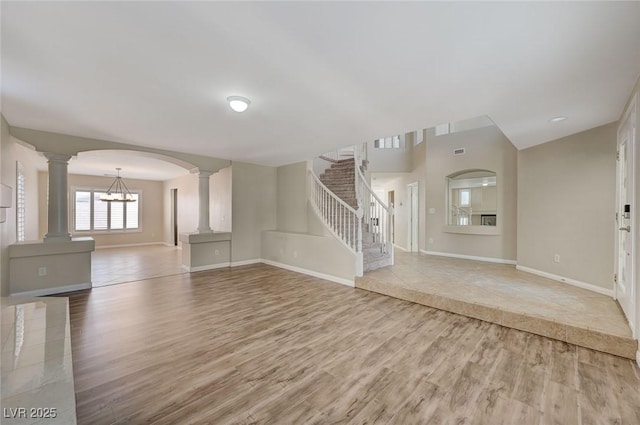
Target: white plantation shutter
[(117, 215), (90, 213), (83, 210), (132, 212), (100, 212), (20, 202)]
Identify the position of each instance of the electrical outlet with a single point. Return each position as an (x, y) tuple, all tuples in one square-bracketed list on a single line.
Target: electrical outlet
[(430, 240), (216, 252), (432, 210), (42, 271), (295, 254), (556, 258)]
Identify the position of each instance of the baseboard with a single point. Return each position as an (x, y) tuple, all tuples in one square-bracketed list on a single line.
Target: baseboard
[(170, 245), (470, 257), (335, 279), (206, 267), (245, 262), (331, 278), (567, 280), (400, 248), (54, 290), (128, 245)]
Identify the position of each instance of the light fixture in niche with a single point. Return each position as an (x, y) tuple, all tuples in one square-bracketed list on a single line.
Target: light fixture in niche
[(557, 119), (238, 103)]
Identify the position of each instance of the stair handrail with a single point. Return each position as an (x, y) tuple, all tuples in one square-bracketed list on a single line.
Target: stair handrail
[(377, 215), (342, 220)]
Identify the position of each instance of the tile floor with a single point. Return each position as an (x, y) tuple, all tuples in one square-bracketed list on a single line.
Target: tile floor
[(501, 294), (37, 384), (110, 266)]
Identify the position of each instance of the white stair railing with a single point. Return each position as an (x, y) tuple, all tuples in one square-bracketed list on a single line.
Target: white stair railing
[(343, 221), (377, 215)]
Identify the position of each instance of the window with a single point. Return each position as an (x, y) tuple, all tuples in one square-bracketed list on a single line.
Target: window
[(92, 214), (465, 197), (418, 137), (393, 142), (20, 202)]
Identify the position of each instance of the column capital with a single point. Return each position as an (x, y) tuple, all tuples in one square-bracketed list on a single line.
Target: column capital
[(57, 157), (202, 173)]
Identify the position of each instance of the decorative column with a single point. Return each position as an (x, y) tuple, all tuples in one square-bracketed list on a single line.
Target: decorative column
[(58, 229), (203, 202)]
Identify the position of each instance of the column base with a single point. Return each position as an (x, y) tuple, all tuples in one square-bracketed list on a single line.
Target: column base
[(57, 238)]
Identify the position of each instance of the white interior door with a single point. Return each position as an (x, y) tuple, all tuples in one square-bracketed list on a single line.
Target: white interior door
[(412, 191), (625, 282)]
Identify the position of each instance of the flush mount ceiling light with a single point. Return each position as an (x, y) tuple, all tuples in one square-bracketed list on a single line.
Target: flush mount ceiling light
[(238, 103), (557, 119)]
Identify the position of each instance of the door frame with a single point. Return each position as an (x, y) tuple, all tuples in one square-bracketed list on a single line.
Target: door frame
[(174, 215), (391, 202), (629, 114), (410, 239)]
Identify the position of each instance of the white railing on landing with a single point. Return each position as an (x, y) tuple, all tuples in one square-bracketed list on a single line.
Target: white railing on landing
[(377, 215), (338, 155), (344, 222)]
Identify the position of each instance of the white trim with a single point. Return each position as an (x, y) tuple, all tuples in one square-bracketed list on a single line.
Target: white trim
[(470, 257), (331, 278), (336, 279), (54, 290), (401, 248), (628, 117), (573, 282), (245, 262), (205, 267), (127, 245)]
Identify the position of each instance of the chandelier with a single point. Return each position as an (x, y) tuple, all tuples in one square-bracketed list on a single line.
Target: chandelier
[(118, 191)]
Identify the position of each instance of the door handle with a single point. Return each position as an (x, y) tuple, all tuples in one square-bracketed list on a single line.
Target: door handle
[(627, 228)]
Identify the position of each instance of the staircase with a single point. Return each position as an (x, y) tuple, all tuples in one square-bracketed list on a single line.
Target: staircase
[(340, 179)]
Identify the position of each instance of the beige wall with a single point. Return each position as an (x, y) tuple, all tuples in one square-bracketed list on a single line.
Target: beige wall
[(254, 208), (391, 160), (11, 151), (320, 254), (151, 209), (566, 206), (187, 186), (220, 198), (488, 149), (220, 194), (291, 207), (397, 182)]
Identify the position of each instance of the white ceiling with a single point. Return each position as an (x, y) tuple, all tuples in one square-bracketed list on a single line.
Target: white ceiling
[(319, 75)]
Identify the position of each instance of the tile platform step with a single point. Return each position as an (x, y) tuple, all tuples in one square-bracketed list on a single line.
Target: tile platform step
[(581, 336)]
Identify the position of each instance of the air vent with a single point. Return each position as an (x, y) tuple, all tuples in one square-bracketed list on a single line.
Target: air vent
[(458, 151)]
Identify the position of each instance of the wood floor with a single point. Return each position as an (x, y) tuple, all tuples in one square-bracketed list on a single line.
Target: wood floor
[(258, 344)]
